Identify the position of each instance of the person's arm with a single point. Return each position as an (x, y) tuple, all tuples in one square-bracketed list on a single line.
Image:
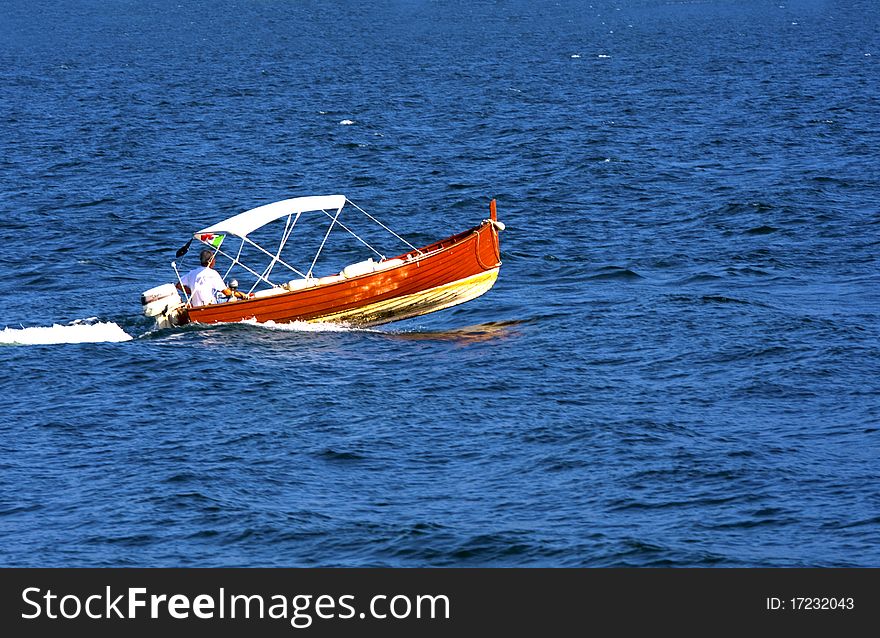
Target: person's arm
[(238, 294)]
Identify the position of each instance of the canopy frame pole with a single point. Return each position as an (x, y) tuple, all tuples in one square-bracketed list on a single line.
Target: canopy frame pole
[(324, 241), (180, 281), (285, 235), (251, 270), (234, 261), (288, 230)]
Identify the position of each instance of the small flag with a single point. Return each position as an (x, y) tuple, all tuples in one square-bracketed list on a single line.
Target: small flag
[(182, 250), (212, 240)]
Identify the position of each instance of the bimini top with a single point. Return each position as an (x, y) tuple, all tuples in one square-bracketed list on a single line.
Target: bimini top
[(250, 220)]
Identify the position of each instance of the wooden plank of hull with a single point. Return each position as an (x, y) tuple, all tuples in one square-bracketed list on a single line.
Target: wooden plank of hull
[(448, 274)]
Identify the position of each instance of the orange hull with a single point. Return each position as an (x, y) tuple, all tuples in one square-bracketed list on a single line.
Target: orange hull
[(445, 273)]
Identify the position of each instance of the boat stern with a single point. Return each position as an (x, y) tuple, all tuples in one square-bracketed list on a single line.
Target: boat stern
[(163, 303)]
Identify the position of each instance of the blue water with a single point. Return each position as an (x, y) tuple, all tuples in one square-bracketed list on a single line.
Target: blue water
[(678, 366)]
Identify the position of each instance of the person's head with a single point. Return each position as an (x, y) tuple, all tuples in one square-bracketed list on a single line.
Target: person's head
[(206, 257)]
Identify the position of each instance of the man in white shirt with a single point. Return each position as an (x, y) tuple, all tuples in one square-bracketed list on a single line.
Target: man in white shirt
[(204, 283)]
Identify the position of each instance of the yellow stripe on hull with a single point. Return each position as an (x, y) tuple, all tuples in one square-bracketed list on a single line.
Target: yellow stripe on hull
[(417, 304)]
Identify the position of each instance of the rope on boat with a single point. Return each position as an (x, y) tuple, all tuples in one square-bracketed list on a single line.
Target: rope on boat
[(353, 234), (477, 251), (383, 226)]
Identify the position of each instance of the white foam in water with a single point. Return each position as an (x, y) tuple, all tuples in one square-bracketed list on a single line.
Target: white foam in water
[(75, 333), (347, 122), (300, 326)]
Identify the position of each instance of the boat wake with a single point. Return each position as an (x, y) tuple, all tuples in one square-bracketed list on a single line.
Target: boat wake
[(302, 326), (79, 331)]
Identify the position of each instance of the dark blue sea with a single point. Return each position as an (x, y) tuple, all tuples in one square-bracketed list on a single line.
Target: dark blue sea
[(679, 364)]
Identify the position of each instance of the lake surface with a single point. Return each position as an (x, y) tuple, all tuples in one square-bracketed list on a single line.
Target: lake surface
[(678, 366)]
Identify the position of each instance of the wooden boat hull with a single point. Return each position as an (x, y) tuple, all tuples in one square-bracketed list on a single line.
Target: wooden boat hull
[(443, 274)]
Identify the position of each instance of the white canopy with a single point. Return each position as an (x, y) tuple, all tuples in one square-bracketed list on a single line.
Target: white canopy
[(250, 220)]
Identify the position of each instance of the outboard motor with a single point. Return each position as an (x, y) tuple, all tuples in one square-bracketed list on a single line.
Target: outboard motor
[(163, 303)]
